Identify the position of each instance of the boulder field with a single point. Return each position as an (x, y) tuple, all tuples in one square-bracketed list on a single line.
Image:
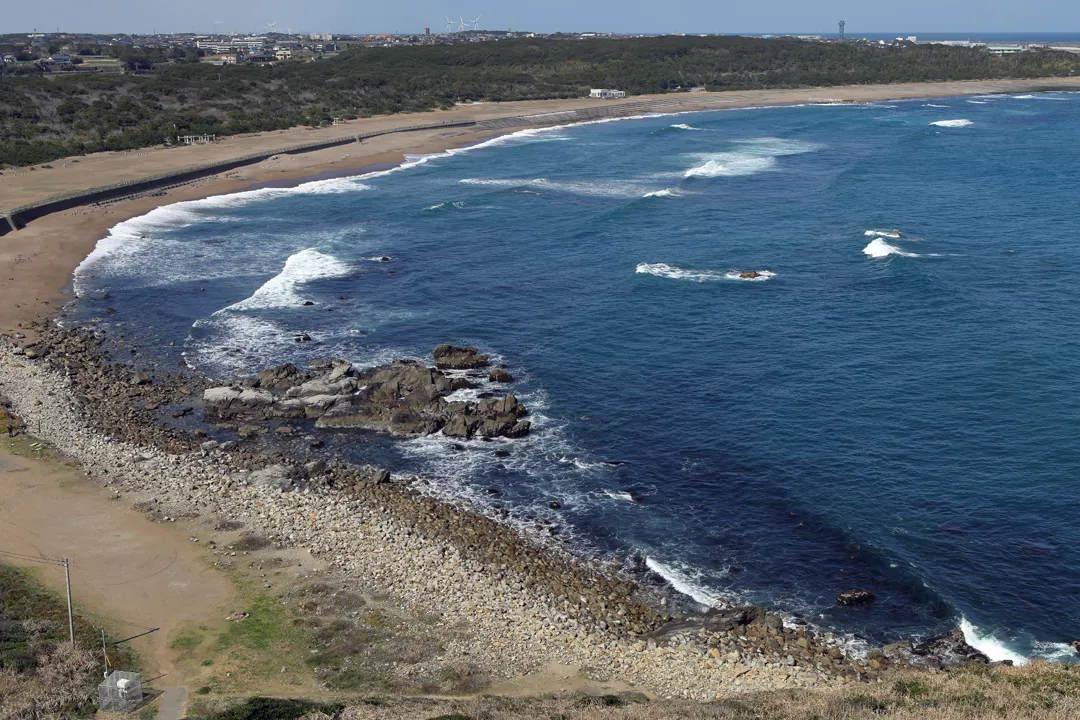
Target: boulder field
[(405, 398)]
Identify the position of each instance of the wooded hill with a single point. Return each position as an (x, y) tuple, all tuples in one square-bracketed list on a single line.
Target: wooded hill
[(44, 117)]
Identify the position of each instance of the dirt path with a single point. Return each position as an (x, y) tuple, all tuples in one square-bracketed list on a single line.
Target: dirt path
[(136, 573)]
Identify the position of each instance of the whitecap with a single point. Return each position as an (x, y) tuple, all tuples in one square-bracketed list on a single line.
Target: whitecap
[(893, 234), (878, 248), (684, 126), (988, 644), (755, 155), (978, 102), (595, 188), (685, 581), (282, 290), (953, 123), (673, 272), (666, 192), (935, 106)]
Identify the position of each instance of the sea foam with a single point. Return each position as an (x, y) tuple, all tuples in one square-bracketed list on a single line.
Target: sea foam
[(281, 290), (682, 581), (684, 126), (754, 155), (674, 272), (953, 123), (878, 248), (989, 645)]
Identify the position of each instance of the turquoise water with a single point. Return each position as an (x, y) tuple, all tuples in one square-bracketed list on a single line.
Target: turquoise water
[(870, 411)]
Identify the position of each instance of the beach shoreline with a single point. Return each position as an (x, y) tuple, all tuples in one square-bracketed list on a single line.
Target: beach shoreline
[(37, 262)]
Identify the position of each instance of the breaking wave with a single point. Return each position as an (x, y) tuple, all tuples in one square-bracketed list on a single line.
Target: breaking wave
[(601, 188), (666, 192), (684, 126), (682, 580), (953, 123), (878, 248), (753, 156), (989, 645), (894, 234), (281, 291)]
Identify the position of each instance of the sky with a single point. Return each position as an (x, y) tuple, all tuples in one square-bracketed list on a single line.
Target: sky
[(652, 16)]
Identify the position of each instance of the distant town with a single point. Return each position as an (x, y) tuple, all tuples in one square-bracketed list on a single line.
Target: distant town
[(62, 52)]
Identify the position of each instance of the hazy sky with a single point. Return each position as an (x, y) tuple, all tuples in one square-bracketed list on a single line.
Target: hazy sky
[(656, 16)]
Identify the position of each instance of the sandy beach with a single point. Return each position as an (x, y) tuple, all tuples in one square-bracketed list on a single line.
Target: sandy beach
[(521, 619), (36, 262)]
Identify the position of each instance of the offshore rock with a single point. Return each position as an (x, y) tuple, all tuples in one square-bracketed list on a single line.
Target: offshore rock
[(499, 375), (450, 357), (856, 597)]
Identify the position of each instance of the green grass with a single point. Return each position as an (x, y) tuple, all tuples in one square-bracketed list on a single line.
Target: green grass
[(24, 597), (186, 641), (262, 708)]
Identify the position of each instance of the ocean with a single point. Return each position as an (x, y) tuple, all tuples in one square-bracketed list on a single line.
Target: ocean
[(829, 347)]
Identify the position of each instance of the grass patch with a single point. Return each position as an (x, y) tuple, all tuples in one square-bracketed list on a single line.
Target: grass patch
[(186, 641), (24, 597), (148, 713)]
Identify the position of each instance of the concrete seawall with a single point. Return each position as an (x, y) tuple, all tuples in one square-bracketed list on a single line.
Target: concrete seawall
[(17, 217)]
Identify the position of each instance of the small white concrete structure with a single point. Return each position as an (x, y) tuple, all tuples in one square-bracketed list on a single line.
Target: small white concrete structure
[(607, 94)]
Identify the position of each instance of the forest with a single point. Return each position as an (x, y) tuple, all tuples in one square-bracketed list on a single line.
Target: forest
[(48, 116)]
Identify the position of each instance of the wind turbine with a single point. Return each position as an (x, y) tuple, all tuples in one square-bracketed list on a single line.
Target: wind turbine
[(462, 25), (270, 27), (449, 24), (476, 22)]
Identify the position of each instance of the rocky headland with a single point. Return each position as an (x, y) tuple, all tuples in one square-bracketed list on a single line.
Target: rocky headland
[(146, 436)]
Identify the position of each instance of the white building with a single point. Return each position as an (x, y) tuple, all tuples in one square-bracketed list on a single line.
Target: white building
[(607, 94)]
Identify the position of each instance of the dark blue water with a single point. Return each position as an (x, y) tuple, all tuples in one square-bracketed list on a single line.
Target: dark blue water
[(896, 414)]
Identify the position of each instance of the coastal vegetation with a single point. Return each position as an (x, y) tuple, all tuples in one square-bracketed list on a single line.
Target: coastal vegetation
[(44, 117), (40, 676)]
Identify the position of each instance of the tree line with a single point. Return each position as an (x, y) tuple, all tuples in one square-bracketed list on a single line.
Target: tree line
[(45, 117)]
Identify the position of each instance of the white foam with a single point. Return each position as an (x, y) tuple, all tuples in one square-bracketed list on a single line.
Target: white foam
[(978, 102), (731, 165), (681, 579), (989, 645), (666, 192), (935, 106), (1054, 652), (684, 126), (595, 188), (878, 248), (755, 155), (281, 290), (894, 234), (953, 123), (674, 272)]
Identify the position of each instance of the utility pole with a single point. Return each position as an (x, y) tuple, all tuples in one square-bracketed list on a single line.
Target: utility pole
[(71, 618)]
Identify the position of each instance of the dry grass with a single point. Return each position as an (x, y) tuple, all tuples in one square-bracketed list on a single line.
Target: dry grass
[(55, 688)]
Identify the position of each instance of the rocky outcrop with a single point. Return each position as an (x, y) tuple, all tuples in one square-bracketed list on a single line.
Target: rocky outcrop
[(405, 398), (856, 597), (450, 357), (500, 376), (948, 649)]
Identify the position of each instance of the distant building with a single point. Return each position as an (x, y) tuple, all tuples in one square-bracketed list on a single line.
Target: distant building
[(1005, 49), (607, 94), (427, 31), (283, 54), (229, 59)]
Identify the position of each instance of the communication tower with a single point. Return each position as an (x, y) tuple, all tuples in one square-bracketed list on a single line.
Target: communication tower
[(842, 24)]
